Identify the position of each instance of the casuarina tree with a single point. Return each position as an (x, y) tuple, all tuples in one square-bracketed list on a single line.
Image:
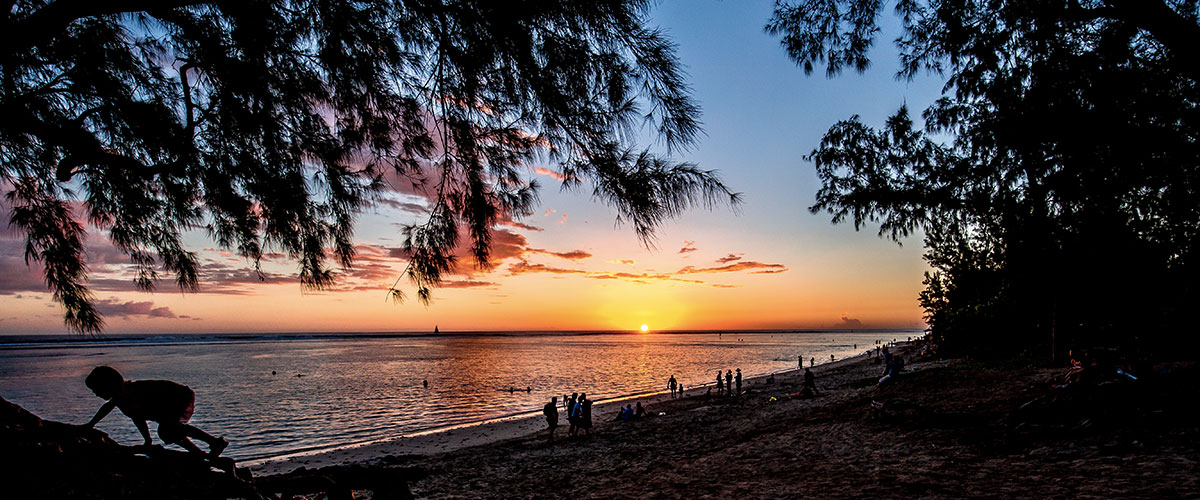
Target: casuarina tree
[(1056, 182), (270, 124)]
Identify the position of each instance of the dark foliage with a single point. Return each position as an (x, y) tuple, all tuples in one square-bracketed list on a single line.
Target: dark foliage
[(1057, 181), (271, 123)]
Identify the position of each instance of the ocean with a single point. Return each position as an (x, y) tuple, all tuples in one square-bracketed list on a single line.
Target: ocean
[(273, 395)]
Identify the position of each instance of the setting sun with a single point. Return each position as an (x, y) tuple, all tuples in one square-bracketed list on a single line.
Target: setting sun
[(645, 328)]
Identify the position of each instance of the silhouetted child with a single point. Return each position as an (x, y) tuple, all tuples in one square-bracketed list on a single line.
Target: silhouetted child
[(168, 403)]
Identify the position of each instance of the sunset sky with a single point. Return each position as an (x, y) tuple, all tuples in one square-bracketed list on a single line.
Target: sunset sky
[(771, 265)]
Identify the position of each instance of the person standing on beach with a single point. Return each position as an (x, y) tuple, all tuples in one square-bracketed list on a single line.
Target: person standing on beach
[(585, 414), (800, 358), (671, 384), (551, 413), (812, 361), (739, 382), (729, 382), (720, 383), (572, 420)]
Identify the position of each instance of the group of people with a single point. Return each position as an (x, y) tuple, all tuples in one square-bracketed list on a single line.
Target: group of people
[(726, 386), (579, 414), (676, 387)]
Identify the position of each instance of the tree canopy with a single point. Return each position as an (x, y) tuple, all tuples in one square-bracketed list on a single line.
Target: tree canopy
[(1056, 181), (271, 124)]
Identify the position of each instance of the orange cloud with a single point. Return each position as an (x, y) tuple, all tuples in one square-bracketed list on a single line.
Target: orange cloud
[(730, 258), (735, 267), (571, 255), (688, 247)]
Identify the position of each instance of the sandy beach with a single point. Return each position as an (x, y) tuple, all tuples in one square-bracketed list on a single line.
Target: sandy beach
[(499, 430), (945, 429)]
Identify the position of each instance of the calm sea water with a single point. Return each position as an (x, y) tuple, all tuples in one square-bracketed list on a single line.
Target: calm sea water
[(338, 389)]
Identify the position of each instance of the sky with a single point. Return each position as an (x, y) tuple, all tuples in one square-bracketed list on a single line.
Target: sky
[(768, 265)]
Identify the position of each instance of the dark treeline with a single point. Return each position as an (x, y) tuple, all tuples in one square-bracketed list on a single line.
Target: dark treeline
[(1055, 182)]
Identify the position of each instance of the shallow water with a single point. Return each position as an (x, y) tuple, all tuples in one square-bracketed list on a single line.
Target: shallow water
[(333, 390)]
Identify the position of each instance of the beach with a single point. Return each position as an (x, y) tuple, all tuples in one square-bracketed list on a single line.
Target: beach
[(505, 429), (944, 429)]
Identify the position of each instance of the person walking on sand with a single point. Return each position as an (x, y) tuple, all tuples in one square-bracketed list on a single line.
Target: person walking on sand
[(169, 403), (738, 377), (551, 413), (671, 384), (720, 383), (729, 382)]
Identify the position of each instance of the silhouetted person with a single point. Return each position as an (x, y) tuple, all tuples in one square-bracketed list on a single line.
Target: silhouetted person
[(425, 383), (830, 357), (551, 413), (729, 382), (681, 389), (573, 414), (720, 383), (738, 378), (671, 384), (812, 361), (581, 414), (169, 403), (800, 358), (640, 411), (810, 380)]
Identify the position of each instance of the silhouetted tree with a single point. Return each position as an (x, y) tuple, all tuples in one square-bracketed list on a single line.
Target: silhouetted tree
[(271, 123), (1057, 181)]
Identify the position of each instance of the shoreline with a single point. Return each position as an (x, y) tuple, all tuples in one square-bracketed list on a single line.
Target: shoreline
[(492, 430)]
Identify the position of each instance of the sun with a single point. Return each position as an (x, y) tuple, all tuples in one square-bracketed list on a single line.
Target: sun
[(645, 328)]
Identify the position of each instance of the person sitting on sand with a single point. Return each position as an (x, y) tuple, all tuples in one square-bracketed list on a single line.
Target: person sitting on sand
[(639, 412), (169, 403), (810, 380), (551, 413)]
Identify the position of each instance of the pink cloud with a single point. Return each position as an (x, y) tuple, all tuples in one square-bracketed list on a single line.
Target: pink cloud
[(114, 307), (519, 225), (688, 247), (558, 176)]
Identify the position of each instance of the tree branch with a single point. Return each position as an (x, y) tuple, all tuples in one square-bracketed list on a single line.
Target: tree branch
[(50, 21)]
